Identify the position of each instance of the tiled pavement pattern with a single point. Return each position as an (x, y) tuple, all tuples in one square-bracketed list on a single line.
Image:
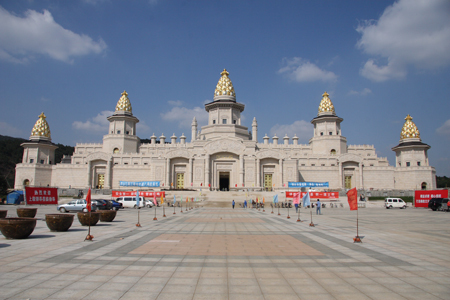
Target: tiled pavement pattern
[(405, 255)]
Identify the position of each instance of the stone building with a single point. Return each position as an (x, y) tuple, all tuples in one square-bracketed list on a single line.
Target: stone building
[(225, 155)]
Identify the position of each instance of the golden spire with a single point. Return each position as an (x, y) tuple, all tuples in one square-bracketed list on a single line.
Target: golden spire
[(124, 103), (224, 86), (409, 130), (325, 105), (41, 128)]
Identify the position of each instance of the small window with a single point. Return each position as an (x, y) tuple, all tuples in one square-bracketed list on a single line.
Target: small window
[(371, 165), (321, 133), (116, 163), (418, 163), (330, 133), (118, 131), (333, 165), (31, 161), (112, 131), (125, 163), (50, 162), (214, 121), (323, 165), (128, 132), (116, 150), (333, 152), (145, 164), (303, 165), (77, 163), (135, 163), (399, 164), (42, 161), (408, 164), (313, 165), (224, 121), (234, 121), (395, 200)]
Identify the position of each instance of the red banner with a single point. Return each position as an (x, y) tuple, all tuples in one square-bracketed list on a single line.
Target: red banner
[(421, 198), (352, 197), (41, 195), (116, 194), (322, 195)]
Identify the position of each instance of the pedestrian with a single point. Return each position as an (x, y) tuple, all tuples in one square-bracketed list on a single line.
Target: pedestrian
[(318, 210), (296, 207), (233, 203), (245, 204)]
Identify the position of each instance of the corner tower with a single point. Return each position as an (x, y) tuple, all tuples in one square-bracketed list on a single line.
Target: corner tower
[(224, 113), (121, 137), (327, 137), (410, 151)]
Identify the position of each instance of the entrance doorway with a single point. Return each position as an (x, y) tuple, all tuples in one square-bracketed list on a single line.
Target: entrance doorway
[(348, 182), (268, 182), (180, 181), (224, 181), (100, 181)]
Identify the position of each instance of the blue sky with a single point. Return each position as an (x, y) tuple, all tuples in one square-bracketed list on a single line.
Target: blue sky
[(378, 60)]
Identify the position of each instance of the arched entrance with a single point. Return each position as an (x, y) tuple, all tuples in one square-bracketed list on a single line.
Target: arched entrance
[(424, 185), (26, 182)]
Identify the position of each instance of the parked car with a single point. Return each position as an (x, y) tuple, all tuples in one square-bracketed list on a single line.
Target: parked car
[(438, 204), (149, 203), (115, 205), (76, 205), (102, 204), (394, 203), (131, 201)]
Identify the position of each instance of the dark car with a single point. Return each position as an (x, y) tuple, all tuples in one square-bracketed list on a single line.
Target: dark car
[(438, 204), (102, 204), (115, 205)]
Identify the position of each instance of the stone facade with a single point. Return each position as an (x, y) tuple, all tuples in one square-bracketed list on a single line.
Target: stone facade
[(225, 155)]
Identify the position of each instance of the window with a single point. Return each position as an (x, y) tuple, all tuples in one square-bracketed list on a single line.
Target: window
[(31, 161), (333, 152), (323, 165), (116, 150), (399, 164), (408, 164), (116, 163), (128, 132), (321, 133), (371, 165), (77, 163), (135, 163), (418, 163), (303, 165), (145, 164), (313, 165), (330, 133), (125, 163), (42, 161), (333, 165), (214, 121), (224, 121), (234, 121), (118, 131)]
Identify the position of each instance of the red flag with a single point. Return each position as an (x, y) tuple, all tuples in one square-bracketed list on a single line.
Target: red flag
[(296, 199), (352, 197), (88, 200)]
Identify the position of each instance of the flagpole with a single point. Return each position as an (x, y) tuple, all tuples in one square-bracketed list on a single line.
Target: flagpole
[(298, 220), (89, 237), (310, 210), (288, 217), (357, 238)]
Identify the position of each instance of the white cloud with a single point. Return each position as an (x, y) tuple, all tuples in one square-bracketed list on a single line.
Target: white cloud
[(36, 33), (302, 70), (409, 32), (98, 124), (9, 130), (301, 128), (364, 92), (184, 116), (444, 129), (175, 103)]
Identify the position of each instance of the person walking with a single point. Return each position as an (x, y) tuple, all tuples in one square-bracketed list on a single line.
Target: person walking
[(245, 204), (296, 207), (318, 208), (233, 203)]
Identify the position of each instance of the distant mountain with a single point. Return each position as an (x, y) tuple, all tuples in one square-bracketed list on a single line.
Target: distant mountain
[(11, 153)]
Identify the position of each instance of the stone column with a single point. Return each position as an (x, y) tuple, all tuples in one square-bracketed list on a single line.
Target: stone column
[(207, 170), (281, 172), (258, 172), (168, 172), (361, 184), (190, 172), (241, 172), (108, 175), (89, 174), (340, 175)]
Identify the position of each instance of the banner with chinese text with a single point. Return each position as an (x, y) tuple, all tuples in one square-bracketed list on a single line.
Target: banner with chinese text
[(140, 183), (322, 195), (307, 184), (41, 195), (116, 194), (421, 198)]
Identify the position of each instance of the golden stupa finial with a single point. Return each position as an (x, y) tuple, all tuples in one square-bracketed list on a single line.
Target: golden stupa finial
[(41, 128), (224, 86), (124, 103), (409, 130), (326, 106)]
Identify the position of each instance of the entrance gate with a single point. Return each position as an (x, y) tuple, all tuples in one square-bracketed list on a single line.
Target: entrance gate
[(348, 182), (180, 181), (268, 182), (224, 181), (100, 180)]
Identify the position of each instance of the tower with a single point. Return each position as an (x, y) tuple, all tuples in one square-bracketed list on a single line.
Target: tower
[(224, 113), (121, 137), (194, 130), (327, 137)]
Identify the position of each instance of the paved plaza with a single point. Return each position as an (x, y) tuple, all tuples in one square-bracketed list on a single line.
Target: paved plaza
[(221, 253)]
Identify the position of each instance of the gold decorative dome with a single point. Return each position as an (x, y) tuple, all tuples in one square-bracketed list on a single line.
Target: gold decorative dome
[(325, 105), (224, 86), (41, 128), (124, 103), (409, 130)]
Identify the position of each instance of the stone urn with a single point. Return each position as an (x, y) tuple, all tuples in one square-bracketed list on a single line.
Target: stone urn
[(107, 215), (3, 214), (84, 218), (59, 222), (26, 212), (17, 228)]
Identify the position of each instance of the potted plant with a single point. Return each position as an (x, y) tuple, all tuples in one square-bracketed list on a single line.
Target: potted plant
[(17, 228), (59, 222)]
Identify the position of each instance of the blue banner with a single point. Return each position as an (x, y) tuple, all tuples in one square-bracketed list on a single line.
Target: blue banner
[(140, 183), (307, 184)]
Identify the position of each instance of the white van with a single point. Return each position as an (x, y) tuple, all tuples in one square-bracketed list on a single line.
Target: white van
[(131, 201), (394, 202)]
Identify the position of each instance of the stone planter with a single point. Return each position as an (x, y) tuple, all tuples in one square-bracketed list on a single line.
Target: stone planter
[(26, 212), (3, 214), (83, 217), (107, 215), (59, 222), (17, 228)]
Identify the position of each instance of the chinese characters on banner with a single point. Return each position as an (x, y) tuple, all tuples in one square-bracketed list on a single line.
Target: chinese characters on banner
[(323, 195), (307, 184), (116, 194), (140, 183), (41, 195), (421, 198)]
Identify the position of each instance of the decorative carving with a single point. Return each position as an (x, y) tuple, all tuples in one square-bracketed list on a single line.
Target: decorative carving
[(224, 86), (225, 146), (198, 173), (124, 103), (326, 106), (269, 154), (350, 157), (178, 153), (99, 156), (41, 127), (409, 129)]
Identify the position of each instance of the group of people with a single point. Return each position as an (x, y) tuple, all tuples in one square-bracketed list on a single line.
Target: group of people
[(258, 205)]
